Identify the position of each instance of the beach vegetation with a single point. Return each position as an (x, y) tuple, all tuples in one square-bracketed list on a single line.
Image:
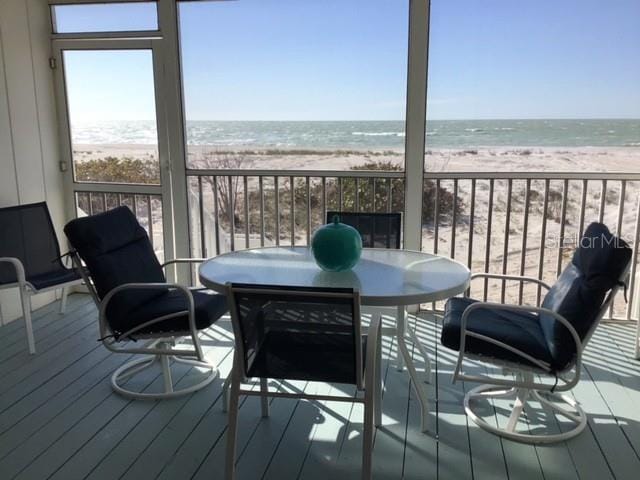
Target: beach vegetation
[(118, 170)]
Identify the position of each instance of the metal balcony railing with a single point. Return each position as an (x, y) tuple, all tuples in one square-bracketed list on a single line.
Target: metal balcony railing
[(502, 222)]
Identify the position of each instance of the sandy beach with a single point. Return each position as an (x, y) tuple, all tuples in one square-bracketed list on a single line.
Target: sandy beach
[(543, 233), (573, 159)]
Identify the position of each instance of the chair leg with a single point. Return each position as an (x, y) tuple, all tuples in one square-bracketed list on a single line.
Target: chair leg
[(378, 384), (25, 297), (232, 428), (518, 406), (367, 438), (400, 317), (166, 372), (264, 399), (63, 300), (225, 393)]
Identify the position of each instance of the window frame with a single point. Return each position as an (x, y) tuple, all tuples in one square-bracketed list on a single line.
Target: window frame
[(170, 106)]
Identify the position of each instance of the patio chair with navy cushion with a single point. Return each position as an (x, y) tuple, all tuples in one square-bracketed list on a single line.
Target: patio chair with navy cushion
[(308, 334), (545, 342), (30, 258), (136, 302), (378, 230)]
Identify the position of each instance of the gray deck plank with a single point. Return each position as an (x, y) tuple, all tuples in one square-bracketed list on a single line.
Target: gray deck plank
[(14, 332), (59, 418), (199, 422), (47, 339), (289, 458), (454, 455), (620, 456)]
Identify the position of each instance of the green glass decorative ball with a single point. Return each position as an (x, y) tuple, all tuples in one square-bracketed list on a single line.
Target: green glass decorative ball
[(336, 246)]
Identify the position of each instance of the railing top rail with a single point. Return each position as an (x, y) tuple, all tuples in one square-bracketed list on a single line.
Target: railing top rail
[(629, 176), (223, 172)]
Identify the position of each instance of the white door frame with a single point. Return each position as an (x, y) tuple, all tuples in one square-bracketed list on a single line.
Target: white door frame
[(71, 186)]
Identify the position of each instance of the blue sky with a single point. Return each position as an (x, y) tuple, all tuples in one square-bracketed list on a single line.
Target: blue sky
[(346, 60)]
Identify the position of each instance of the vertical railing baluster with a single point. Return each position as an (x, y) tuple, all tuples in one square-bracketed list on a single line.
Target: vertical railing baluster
[(203, 246), (308, 195), (135, 204), (150, 221), (623, 194), (436, 218), (583, 207), (293, 211), (603, 200), (216, 214), (232, 214), (454, 218), (357, 198), (563, 216), (389, 197), (90, 203), (507, 230), (119, 199), (277, 212), (246, 212), (373, 194), (104, 203), (525, 228), (472, 213), (634, 262), (340, 199), (543, 234), (487, 252), (261, 193), (324, 199)]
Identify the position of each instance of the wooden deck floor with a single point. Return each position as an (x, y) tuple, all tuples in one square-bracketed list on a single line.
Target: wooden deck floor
[(59, 418)]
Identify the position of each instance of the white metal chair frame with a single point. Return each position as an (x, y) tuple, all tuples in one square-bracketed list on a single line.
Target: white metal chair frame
[(368, 386), (523, 386), (27, 290), (160, 346)]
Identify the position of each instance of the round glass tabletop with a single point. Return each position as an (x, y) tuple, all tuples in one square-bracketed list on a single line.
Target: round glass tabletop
[(384, 277)]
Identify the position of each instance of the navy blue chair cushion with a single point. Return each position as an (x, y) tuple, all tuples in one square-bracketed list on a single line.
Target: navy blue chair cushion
[(51, 279), (208, 307), (27, 233), (520, 330), (596, 267), (117, 250), (578, 295)]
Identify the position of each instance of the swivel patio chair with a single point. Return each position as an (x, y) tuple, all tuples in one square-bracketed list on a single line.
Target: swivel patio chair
[(545, 342), (30, 258), (309, 334), (135, 301)]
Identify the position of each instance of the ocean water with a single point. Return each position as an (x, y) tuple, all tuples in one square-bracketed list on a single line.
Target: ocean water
[(374, 135)]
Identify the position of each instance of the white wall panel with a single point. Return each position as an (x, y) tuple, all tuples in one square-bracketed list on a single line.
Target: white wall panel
[(29, 152)]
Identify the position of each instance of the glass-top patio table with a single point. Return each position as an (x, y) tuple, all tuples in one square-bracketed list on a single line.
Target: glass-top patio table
[(383, 277)]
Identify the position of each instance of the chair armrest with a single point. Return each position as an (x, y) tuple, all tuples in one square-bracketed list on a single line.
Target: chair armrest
[(515, 308), (17, 265), (149, 286), (519, 278), (183, 260)]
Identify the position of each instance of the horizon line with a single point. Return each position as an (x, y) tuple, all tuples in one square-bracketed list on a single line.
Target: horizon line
[(379, 120)]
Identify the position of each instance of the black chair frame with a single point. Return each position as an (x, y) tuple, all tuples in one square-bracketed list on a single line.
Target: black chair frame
[(368, 384)]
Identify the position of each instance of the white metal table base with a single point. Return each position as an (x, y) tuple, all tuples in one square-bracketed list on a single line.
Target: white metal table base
[(403, 354)]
